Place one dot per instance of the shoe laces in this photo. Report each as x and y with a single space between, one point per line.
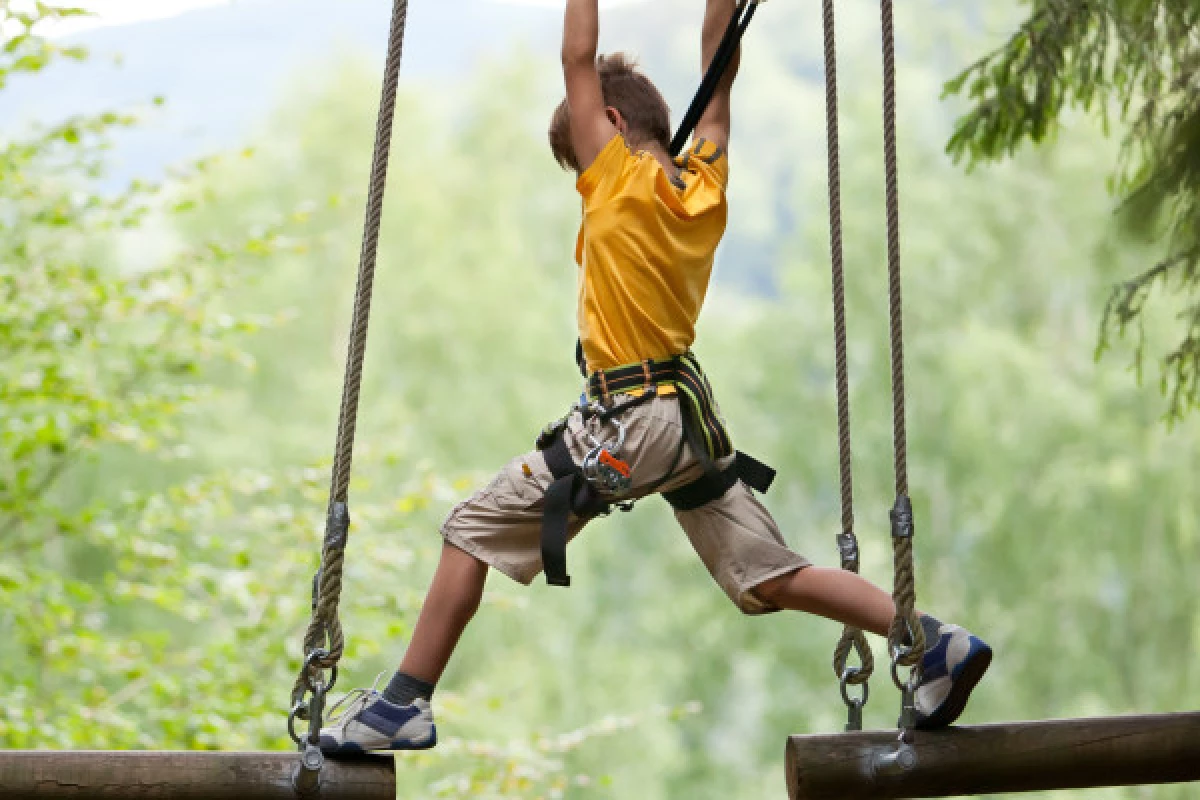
354 701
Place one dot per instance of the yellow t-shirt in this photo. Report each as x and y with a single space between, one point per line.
645 251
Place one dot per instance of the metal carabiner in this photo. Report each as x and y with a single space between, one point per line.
299 711
301 708
612 447
908 688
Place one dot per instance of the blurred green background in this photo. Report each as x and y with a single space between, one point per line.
173 334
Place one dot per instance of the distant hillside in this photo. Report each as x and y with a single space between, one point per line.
222 68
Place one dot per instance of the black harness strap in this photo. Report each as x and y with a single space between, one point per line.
713 485
716 70
702 425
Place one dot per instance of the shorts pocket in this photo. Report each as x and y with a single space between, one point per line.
514 489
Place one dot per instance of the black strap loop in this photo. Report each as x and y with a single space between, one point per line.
554 531
556 516
704 490
754 473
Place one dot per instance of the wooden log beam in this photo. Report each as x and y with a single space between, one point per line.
51 775
992 759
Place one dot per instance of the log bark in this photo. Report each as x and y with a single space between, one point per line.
50 775
992 759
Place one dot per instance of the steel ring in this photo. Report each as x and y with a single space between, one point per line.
311 669
914 677
844 684
315 686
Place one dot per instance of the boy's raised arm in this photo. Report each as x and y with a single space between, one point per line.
714 125
591 128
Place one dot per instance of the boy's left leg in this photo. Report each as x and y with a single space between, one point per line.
742 547
835 594
954 662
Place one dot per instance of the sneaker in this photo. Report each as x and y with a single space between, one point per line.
952 667
372 723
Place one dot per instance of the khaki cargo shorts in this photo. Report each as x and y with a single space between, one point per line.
735 536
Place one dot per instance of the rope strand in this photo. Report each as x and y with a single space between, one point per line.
852 638
893 245
325 630
906 632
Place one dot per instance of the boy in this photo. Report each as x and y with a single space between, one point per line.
650 230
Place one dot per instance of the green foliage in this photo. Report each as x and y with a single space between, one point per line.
23 50
1125 61
106 343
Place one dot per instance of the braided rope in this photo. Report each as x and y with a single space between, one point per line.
838 269
852 638
906 623
325 630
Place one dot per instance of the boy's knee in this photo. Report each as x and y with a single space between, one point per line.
771 592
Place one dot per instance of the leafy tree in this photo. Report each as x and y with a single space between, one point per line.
105 348
1130 63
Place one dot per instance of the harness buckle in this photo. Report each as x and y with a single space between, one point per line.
848 548
649 386
902 518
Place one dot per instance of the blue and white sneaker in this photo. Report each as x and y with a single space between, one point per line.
952 667
372 723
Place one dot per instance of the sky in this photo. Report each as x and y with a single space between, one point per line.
125 12
107 13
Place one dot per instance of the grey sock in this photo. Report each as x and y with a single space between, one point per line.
403 689
932 627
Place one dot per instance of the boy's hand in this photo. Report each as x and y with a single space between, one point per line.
591 128
714 125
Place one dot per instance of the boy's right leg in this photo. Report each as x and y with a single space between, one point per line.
452 601
400 718
498 527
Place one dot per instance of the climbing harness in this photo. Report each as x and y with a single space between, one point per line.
906 638
603 482
324 641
